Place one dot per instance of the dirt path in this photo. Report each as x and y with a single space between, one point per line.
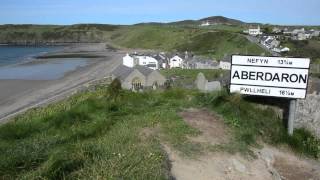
271 163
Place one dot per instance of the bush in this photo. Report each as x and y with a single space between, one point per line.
114 90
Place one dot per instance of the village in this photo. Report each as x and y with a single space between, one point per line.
139 71
273 40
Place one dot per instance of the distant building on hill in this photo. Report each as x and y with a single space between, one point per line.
254 31
205 23
138 77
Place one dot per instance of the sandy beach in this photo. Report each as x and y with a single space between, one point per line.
17 96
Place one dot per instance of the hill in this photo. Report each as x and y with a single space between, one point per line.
200 41
216 20
29 34
222 20
219 43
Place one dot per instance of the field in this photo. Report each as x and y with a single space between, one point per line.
119 135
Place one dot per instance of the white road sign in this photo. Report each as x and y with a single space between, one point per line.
270 76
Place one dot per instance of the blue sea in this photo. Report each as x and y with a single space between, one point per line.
15 63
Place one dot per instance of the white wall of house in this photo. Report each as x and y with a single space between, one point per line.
176 62
128 61
131 61
225 65
205 23
148 61
255 32
285 49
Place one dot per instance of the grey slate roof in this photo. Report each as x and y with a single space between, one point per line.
122 72
269 41
144 70
264 38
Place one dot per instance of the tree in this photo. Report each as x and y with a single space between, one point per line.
267 30
114 90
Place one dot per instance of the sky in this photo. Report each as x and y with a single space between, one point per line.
284 12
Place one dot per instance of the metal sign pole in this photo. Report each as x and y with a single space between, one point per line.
292 111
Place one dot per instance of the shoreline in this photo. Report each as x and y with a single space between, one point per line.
34 93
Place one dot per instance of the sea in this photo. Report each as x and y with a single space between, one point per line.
19 63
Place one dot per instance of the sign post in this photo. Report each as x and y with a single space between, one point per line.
292 111
271 76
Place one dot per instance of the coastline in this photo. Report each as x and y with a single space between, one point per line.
28 94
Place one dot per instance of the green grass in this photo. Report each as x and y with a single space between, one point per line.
309 48
231 28
152 36
202 41
90 136
217 44
28 34
250 123
215 41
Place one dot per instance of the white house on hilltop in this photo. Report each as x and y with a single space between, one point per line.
205 23
176 62
255 31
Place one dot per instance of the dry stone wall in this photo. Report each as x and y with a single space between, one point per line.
308 114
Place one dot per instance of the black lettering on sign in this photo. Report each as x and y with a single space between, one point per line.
267 76
236 74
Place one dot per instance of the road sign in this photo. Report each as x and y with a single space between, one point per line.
270 76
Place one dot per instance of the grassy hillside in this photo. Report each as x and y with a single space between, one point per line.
219 43
309 48
173 38
153 37
40 34
212 41
222 20
93 136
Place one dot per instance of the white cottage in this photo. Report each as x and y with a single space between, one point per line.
142 60
255 31
176 62
225 65
148 61
129 61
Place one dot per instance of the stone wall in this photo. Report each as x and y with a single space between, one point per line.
308 114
